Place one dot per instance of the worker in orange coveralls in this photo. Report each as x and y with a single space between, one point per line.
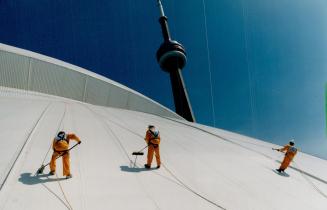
152 138
290 152
60 146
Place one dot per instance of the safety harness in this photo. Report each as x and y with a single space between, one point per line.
64 151
153 137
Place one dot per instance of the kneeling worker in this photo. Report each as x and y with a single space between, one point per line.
290 152
152 138
60 146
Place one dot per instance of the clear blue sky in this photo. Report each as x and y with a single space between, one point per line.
268 58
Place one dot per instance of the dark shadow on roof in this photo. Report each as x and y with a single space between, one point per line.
134 169
29 179
284 174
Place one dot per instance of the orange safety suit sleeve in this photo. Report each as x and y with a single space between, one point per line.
284 149
147 137
72 136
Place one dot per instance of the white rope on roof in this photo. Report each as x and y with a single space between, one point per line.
209 64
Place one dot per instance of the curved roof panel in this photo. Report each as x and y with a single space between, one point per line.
203 167
30 71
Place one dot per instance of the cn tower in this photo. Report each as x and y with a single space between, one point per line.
171 57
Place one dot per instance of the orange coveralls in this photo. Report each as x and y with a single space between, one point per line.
153 142
59 147
289 155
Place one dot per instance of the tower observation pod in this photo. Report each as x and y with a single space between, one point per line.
171 57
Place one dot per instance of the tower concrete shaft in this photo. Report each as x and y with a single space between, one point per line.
171 57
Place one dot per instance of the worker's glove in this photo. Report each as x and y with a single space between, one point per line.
79 142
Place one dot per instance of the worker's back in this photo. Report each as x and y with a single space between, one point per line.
290 151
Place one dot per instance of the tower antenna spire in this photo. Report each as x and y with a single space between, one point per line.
162 13
171 57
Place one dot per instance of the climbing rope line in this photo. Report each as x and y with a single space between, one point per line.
141 137
101 119
98 116
250 75
230 141
135 133
304 174
309 181
191 190
80 167
67 204
117 139
174 176
209 63
59 126
131 161
267 156
53 193
29 136
57 180
220 137
63 192
181 183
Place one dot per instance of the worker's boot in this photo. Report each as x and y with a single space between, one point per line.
147 166
279 170
69 176
158 166
51 173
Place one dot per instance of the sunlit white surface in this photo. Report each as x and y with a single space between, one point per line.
227 169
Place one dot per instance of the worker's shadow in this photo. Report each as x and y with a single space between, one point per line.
284 174
30 179
134 169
